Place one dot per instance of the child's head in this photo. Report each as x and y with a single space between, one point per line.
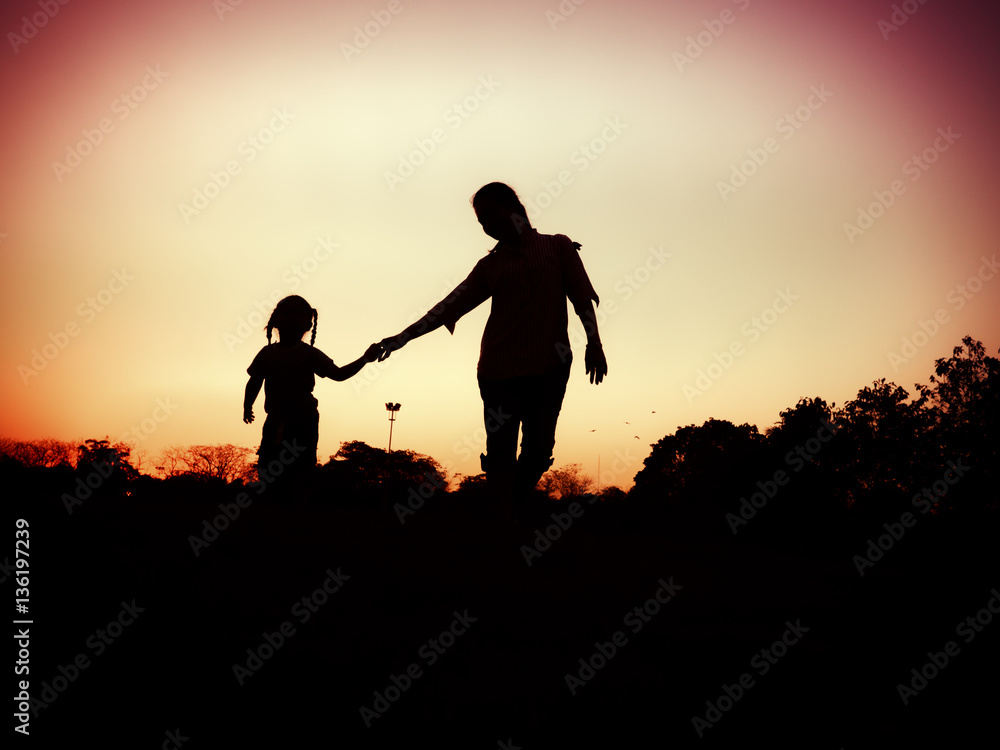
293 316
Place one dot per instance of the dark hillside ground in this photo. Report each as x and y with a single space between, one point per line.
503 678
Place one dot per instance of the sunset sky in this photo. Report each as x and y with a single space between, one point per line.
170 170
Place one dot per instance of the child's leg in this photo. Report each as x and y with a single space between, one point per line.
268 455
302 438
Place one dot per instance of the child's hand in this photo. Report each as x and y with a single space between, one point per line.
372 353
248 415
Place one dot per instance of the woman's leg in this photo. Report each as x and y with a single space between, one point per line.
542 404
501 418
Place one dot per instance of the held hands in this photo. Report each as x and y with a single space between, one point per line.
373 353
596 363
389 345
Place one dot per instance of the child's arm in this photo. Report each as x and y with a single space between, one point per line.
349 371
253 388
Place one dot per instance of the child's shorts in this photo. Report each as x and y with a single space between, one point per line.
288 444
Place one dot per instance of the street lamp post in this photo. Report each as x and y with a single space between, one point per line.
392 409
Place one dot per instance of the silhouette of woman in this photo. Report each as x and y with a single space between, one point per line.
525 354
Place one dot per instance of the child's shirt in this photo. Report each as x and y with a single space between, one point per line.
289 376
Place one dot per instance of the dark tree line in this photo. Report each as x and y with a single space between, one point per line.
820 467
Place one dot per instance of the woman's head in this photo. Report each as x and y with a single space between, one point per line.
500 212
293 316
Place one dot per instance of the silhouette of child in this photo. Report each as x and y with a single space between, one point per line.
286 369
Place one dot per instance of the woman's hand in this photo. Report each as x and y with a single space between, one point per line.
389 345
596 363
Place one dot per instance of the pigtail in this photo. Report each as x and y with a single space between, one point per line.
315 323
270 326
